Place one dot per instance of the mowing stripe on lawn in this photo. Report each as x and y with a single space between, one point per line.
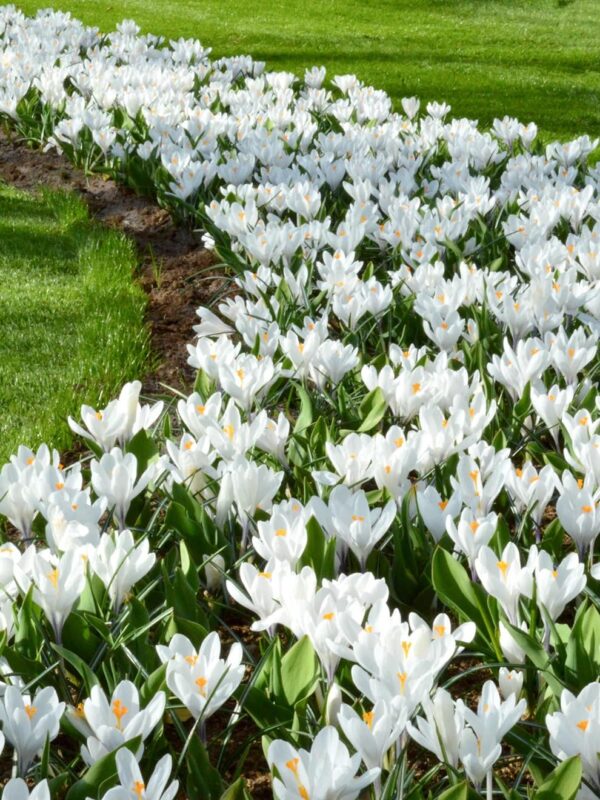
71 315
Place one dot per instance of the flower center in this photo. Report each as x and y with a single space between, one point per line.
119 710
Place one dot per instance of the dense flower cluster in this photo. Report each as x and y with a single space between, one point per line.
389 461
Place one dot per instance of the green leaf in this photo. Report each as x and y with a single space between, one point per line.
299 671
457 590
79 638
85 673
319 552
523 406
582 662
203 779
372 409
537 655
144 448
305 417
154 682
100 772
563 783
237 791
458 792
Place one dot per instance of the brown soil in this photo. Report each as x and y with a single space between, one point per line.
176 272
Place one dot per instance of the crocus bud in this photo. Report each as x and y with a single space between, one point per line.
333 705
510 681
213 570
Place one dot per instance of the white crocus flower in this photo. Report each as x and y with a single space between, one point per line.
108 724
471 533
281 538
27 722
532 490
132 785
504 578
262 588
349 518
556 585
58 584
578 511
201 679
441 729
436 510
119 421
550 405
374 732
510 681
480 747
115 478
102 427
17 789
326 772
575 730
120 563
247 486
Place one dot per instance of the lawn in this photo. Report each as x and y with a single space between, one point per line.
71 317
534 60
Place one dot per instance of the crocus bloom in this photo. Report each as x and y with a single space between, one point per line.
441 729
28 722
120 563
115 478
17 789
375 731
326 772
201 679
132 785
575 730
58 584
107 724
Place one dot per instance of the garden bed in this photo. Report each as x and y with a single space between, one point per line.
366 542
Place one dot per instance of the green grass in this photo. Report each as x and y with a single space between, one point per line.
71 316
535 59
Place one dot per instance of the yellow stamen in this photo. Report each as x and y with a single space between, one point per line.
138 789
119 710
